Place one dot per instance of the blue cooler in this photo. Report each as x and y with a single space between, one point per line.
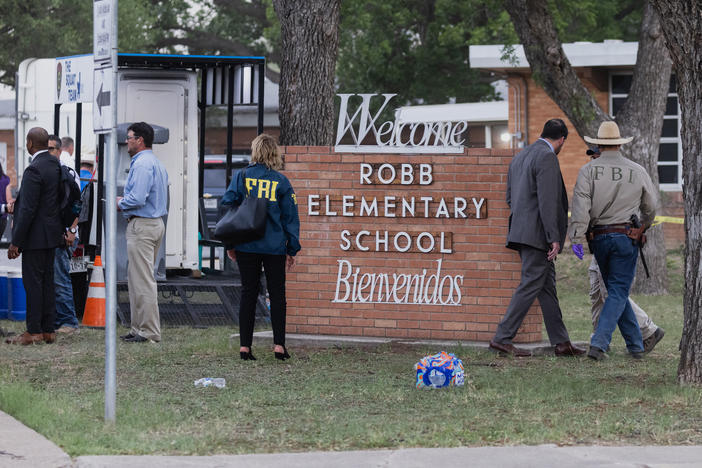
18 299
3 293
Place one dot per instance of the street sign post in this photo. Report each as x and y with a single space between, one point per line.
105 120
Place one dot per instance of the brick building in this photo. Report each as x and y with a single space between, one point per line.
606 70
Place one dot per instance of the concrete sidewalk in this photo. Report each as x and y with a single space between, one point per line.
22 447
541 456
537 349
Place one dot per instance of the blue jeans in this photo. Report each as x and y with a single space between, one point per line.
65 309
616 255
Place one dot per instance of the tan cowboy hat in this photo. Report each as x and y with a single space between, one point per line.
608 134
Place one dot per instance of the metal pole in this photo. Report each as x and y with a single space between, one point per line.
57 117
230 121
203 126
100 192
260 97
79 135
111 242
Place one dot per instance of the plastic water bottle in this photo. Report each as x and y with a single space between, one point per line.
437 379
218 382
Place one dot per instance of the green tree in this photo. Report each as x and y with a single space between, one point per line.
228 27
55 28
417 49
597 20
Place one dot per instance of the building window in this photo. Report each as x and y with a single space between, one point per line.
670 151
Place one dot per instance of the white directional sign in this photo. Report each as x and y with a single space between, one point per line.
103 100
103 35
74 79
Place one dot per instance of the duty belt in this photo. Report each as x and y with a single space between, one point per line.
610 229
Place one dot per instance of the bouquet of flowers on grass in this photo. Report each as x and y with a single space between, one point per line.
440 370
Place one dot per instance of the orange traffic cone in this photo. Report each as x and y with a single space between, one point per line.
94 314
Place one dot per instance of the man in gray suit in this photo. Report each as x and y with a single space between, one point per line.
538 223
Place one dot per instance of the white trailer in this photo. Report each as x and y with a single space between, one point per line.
162 90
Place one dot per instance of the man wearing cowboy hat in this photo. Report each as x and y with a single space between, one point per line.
608 191
650 332
538 223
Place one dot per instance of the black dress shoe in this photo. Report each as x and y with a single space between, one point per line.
126 337
282 356
136 339
508 349
567 349
246 356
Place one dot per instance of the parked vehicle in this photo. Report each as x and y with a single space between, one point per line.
215 184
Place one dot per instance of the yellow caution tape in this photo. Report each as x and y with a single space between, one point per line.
668 219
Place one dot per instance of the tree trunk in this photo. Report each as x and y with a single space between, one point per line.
550 67
641 116
682 22
309 48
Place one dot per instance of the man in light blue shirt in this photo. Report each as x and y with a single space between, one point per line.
143 204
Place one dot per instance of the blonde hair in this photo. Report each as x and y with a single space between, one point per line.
264 150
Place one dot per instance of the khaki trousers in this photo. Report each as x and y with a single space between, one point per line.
144 236
598 295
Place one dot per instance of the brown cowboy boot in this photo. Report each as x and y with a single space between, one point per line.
26 338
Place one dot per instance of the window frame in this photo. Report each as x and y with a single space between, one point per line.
676 187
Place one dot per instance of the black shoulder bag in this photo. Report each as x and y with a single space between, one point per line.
245 222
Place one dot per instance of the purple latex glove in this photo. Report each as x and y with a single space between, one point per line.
578 250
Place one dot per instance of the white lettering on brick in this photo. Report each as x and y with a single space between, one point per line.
312 203
356 286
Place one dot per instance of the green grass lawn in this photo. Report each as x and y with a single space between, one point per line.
343 398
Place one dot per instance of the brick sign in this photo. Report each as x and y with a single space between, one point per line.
402 245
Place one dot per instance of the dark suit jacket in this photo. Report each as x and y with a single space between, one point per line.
36 223
537 198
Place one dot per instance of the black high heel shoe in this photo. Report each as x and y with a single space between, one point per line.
282 356
247 356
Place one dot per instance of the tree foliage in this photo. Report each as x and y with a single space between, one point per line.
417 49
56 28
228 27
596 20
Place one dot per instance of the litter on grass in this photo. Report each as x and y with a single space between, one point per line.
440 370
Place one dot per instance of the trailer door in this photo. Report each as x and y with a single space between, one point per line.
164 103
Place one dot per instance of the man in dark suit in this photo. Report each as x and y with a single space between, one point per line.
36 232
538 223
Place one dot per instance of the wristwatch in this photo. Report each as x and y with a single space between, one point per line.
73 230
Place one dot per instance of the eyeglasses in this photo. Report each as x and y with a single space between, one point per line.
132 137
